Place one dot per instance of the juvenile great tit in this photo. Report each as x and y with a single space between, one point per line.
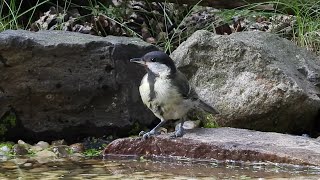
167 92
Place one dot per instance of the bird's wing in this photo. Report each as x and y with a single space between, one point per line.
181 82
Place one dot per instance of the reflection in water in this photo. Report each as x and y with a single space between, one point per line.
133 169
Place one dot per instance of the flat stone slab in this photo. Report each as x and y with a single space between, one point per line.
224 144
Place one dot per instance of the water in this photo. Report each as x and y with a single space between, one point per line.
146 169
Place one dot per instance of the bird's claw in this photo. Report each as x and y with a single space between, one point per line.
146 135
178 133
142 133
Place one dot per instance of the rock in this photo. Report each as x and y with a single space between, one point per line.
4 158
224 144
61 151
65 84
44 156
19 150
4 150
21 142
58 142
36 148
20 161
27 164
77 148
7 165
256 80
77 157
42 145
189 125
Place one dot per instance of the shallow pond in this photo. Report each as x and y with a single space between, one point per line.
146 169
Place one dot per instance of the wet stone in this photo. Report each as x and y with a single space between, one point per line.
223 144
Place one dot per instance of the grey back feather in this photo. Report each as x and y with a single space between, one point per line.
181 82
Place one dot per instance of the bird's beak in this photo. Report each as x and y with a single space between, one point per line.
138 60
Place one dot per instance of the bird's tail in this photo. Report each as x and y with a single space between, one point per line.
207 107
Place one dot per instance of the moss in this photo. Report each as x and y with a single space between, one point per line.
31 153
207 120
210 121
8 144
9 120
92 152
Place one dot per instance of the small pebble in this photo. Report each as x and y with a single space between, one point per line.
27 164
189 124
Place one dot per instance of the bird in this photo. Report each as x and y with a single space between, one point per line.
167 92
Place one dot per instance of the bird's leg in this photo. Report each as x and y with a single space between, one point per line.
154 131
180 131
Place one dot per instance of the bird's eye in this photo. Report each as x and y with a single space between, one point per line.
153 59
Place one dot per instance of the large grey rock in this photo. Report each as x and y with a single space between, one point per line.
224 144
63 84
256 80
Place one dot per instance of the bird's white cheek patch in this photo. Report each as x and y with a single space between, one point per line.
157 68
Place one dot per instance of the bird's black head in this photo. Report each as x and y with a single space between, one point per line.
157 62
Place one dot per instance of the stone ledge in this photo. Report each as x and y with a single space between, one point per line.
224 144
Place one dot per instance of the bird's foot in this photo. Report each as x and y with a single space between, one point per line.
146 135
178 133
